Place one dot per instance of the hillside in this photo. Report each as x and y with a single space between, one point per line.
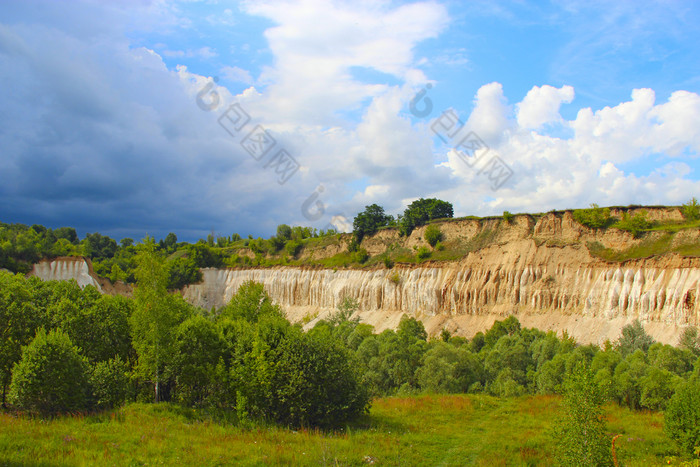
549 270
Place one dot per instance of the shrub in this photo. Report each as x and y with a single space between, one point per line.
388 263
595 217
432 235
634 224
51 377
691 210
293 247
508 217
109 382
361 256
423 253
395 278
581 432
682 417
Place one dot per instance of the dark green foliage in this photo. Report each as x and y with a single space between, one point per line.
581 433
101 330
508 217
682 417
183 271
155 318
293 247
421 211
297 379
595 217
361 256
284 232
369 221
51 376
20 317
432 235
109 383
197 350
205 256
98 246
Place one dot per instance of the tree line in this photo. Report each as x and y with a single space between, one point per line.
66 349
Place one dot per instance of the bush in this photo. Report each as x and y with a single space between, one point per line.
293 247
109 382
297 379
691 210
595 217
634 224
361 256
432 235
508 217
51 376
682 417
423 253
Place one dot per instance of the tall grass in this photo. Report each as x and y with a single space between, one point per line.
420 430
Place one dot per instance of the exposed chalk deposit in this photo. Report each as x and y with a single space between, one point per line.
64 269
542 272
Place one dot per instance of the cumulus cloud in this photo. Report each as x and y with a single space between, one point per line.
541 106
551 170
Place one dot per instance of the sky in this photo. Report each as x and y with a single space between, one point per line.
142 117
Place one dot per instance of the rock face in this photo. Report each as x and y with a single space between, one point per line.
542 272
592 303
65 269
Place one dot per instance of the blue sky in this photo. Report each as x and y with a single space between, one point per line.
572 102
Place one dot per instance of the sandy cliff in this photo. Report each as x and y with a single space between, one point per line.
539 270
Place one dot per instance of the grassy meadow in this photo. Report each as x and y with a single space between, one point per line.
416 430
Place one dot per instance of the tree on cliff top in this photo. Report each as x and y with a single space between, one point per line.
421 211
369 221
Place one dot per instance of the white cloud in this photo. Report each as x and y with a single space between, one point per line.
541 106
551 170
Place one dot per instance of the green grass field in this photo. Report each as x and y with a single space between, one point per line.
419 430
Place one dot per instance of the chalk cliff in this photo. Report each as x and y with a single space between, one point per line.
539 270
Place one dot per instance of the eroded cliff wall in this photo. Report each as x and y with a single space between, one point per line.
541 271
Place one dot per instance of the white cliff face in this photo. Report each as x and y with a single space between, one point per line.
591 303
542 272
65 269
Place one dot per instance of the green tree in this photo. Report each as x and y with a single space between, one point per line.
421 211
595 217
196 352
634 337
51 376
682 417
284 232
581 432
109 383
690 340
432 235
250 303
154 319
20 317
369 221
691 210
